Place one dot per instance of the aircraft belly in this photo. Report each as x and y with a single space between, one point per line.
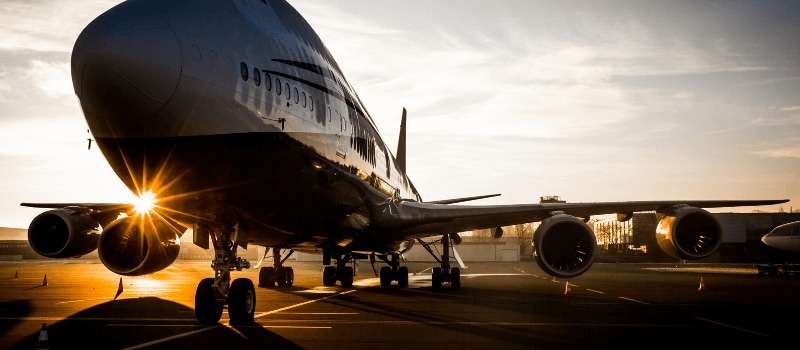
268 178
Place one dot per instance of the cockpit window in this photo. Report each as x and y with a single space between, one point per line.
788 230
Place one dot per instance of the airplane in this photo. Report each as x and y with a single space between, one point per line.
232 119
785 237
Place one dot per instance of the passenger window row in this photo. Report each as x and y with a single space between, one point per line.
291 93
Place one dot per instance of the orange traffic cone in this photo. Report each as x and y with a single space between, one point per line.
44 342
567 289
702 284
119 289
16 274
44 283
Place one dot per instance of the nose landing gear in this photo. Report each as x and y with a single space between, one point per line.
214 294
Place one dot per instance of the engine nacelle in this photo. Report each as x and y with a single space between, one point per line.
564 246
63 233
138 245
686 232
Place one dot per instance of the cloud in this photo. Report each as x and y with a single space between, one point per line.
46 25
787 152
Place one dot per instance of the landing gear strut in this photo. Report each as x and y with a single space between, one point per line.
393 272
341 272
277 273
444 273
213 294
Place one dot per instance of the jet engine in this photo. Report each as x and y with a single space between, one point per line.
138 245
63 233
564 246
686 232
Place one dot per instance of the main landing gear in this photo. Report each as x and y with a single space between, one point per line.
393 272
443 274
214 294
277 273
341 272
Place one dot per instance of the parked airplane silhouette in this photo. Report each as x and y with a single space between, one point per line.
234 119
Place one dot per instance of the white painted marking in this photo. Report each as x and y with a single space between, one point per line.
634 300
732 327
80 300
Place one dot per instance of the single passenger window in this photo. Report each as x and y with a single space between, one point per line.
296 97
257 76
243 69
278 86
288 92
267 81
311 102
305 102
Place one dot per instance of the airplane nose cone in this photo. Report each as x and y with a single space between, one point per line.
125 66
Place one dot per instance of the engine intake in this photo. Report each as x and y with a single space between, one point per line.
689 233
63 233
138 245
564 246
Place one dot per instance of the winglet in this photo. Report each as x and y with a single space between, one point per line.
401 144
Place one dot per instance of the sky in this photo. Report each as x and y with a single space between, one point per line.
605 101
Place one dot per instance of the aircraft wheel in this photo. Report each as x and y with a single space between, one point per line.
402 276
206 308
242 301
436 278
329 276
267 277
455 278
289 276
386 276
347 276
285 277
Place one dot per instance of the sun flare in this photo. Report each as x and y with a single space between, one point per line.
144 203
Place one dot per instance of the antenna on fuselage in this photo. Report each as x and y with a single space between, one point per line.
401 144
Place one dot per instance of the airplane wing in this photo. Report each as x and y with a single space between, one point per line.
564 246
434 218
90 206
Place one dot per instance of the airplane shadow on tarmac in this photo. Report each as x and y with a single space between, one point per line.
128 323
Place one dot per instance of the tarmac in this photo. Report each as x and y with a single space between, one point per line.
510 305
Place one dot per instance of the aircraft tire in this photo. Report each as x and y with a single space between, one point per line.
206 308
436 278
386 276
242 301
267 277
402 276
455 278
329 276
347 276
285 276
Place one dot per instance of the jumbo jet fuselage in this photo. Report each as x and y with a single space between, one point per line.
235 108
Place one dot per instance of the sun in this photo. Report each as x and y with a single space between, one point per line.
144 203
